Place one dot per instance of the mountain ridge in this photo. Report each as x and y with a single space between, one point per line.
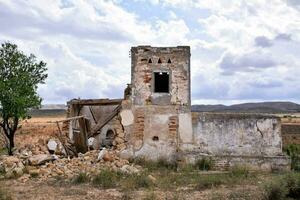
259 107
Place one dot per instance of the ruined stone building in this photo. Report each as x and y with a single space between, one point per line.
154 119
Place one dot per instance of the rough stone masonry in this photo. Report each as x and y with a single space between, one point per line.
155 119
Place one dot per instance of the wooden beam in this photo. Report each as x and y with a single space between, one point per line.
100 124
80 139
91 102
70 118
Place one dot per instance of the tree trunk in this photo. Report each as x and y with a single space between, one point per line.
9 132
11 144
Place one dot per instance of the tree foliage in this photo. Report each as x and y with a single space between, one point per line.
20 76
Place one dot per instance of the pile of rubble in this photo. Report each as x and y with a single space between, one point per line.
36 161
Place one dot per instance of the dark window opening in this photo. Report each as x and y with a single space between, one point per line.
161 82
109 138
159 61
155 138
150 61
169 61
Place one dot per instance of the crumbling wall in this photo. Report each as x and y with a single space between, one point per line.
153 133
290 133
104 128
118 141
237 134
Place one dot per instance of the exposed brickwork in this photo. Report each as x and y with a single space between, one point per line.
143 72
119 141
290 133
173 126
139 124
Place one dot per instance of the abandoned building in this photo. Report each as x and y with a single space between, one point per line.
154 119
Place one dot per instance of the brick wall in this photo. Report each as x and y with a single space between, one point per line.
173 126
138 129
290 133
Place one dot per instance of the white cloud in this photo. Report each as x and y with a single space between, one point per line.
241 50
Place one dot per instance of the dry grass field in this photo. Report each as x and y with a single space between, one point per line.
36 129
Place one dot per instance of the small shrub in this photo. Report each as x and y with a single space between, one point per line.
204 164
239 171
293 185
106 179
141 181
293 150
81 178
171 165
34 175
275 191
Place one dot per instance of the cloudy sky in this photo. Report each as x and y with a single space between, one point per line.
242 50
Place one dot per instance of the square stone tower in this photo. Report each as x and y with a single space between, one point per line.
160 101
161 76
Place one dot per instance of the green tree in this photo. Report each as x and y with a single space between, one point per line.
20 76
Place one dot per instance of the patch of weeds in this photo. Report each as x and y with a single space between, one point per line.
136 181
4 195
275 191
293 150
241 194
107 179
163 163
210 181
286 187
187 168
2 170
293 185
81 178
34 175
239 171
25 170
160 164
204 164
3 151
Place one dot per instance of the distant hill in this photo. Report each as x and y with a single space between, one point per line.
53 106
49 110
263 107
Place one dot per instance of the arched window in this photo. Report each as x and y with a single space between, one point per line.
109 137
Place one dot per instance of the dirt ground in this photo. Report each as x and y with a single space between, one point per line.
55 189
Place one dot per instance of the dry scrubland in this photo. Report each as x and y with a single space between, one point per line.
157 180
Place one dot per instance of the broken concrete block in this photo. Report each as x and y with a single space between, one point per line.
128 169
101 154
41 159
91 141
52 145
127 117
